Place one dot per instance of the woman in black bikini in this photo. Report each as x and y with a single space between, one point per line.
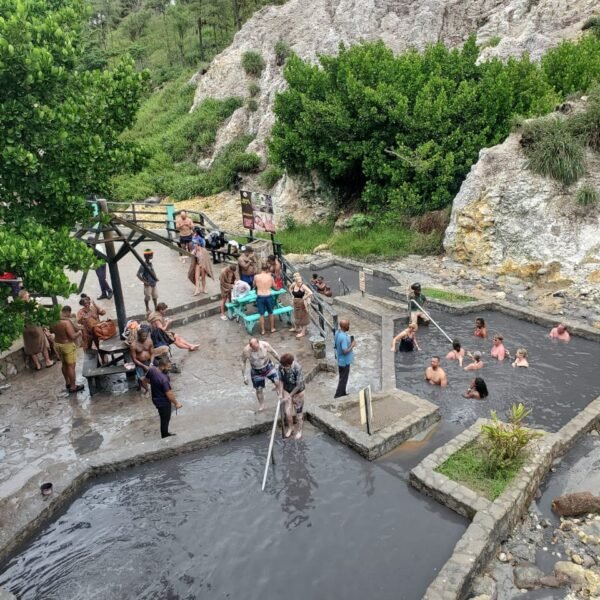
407 339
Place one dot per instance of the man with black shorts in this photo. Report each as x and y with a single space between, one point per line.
263 282
163 396
261 368
185 227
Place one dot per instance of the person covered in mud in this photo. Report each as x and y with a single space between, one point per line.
434 374
521 359
477 362
457 353
261 368
480 328
417 302
498 351
141 354
407 338
291 391
560 333
477 389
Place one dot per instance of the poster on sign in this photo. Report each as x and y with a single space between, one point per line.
257 211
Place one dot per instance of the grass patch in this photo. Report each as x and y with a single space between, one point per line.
385 241
553 150
588 195
270 176
253 63
435 294
469 467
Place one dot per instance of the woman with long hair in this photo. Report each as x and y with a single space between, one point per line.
301 294
477 390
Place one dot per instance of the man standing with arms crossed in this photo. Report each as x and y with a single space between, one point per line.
263 282
163 396
261 368
247 265
344 346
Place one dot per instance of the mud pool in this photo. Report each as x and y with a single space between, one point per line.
330 525
342 280
561 380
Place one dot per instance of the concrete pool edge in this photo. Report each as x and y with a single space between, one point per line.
383 441
491 522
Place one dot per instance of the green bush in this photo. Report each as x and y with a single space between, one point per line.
593 25
586 124
553 150
492 42
252 105
253 89
360 224
573 66
402 130
282 52
253 63
270 176
506 442
587 195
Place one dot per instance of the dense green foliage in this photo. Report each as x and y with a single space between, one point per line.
469 467
174 139
270 176
404 130
167 37
60 140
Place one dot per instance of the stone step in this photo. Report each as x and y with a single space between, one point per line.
188 307
202 311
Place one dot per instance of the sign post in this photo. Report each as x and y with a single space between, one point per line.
365 404
362 282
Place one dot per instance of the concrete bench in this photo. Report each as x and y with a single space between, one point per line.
94 374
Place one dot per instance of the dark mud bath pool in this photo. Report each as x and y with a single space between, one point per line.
330 525
561 380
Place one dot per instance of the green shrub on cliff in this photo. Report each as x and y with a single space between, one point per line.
402 130
253 63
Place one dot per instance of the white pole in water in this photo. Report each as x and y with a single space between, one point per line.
429 317
270 446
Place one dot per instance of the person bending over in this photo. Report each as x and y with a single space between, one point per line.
434 374
477 389
261 368
292 386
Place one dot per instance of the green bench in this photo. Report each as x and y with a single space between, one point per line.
282 311
94 374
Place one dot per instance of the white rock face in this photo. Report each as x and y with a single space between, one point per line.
314 27
511 221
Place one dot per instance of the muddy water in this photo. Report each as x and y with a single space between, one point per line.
561 380
330 525
343 279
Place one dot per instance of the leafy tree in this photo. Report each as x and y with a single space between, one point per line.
403 130
59 141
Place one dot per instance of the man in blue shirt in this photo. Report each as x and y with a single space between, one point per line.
344 346
163 396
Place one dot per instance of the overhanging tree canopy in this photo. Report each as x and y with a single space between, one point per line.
59 141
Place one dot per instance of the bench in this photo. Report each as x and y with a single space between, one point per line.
251 320
94 374
222 255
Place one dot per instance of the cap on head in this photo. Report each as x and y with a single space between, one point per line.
416 287
148 253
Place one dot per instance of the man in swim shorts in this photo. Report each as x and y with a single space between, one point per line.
261 367
65 344
263 282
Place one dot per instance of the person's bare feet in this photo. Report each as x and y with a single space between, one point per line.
194 347
273 330
298 435
288 432
293 329
196 293
262 333
261 408
300 335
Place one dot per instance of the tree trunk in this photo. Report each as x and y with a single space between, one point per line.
200 42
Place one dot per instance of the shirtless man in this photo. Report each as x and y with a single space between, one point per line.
263 282
247 265
65 344
185 227
435 374
141 355
261 368
560 333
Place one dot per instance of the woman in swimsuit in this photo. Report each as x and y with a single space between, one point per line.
407 339
477 390
302 295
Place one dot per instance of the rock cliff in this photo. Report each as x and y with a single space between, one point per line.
513 222
313 27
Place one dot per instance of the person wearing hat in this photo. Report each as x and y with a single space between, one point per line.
247 265
417 302
148 277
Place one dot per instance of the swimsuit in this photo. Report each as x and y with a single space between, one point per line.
260 376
